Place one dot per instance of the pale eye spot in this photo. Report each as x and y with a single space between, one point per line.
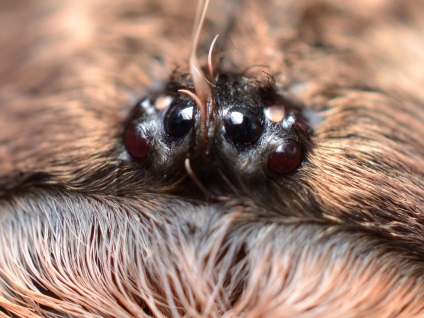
163 102
275 113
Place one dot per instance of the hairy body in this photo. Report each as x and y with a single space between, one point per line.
86 232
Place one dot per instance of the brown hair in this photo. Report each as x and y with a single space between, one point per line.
86 233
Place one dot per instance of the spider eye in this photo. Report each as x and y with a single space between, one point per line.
179 120
242 126
136 143
285 158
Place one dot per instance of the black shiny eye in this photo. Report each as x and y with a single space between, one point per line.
179 120
243 126
285 158
136 143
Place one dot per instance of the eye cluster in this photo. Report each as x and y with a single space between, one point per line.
160 121
269 135
270 131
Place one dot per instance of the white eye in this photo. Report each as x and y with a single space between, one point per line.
275 113
147 106
289 121
151 106
163 102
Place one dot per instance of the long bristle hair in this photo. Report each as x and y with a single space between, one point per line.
202 87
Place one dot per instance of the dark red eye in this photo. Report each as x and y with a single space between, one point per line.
285 158
136 143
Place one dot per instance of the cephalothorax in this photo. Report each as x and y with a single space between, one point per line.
280 175
222 124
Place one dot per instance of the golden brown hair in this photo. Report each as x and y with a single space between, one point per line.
86 232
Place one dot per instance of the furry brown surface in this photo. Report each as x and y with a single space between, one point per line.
86 233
